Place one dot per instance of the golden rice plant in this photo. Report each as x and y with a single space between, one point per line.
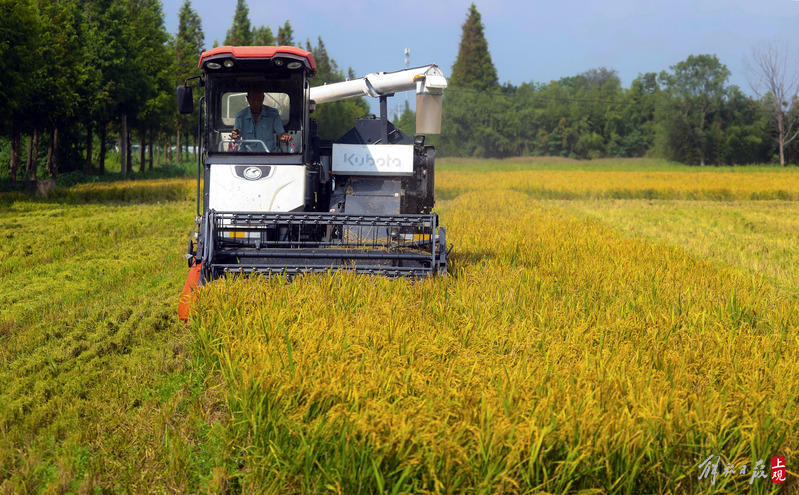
757 236
557 356
690 184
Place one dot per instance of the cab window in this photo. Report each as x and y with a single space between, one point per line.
281 112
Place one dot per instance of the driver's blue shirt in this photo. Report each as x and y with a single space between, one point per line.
268 125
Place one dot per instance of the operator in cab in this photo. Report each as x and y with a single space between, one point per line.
259 122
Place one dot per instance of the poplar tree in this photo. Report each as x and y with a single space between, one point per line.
473 67
240 34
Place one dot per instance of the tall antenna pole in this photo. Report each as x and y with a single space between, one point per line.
407 65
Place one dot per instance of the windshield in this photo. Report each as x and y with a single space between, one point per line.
252 113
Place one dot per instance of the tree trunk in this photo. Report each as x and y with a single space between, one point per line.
30 153
49 162
52 153
158 152
54 172
34 152
16 141
142 145
87 167
179 149
782 154
129 162
103 132
781 131
152 145
123 146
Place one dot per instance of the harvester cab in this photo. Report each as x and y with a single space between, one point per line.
273 198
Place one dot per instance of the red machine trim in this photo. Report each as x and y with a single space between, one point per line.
258 52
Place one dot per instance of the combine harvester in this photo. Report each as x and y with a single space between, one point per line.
290 203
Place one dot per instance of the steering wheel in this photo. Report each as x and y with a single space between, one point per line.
247 145
253 146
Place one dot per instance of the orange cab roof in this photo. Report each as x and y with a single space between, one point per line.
259 52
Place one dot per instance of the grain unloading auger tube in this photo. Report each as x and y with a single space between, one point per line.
273 197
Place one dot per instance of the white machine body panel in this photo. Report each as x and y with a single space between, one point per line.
372 159
257 188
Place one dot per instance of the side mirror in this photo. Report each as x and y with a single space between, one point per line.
185 99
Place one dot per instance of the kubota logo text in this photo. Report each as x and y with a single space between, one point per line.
369 161
373 159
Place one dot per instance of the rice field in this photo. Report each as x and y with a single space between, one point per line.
562 354
606 327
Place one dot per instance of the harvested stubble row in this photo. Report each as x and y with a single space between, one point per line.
558 355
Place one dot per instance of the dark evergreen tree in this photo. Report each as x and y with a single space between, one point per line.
189 41
240 34
61 72
19 32
264 36
473 67
188 44
285 35
154 62
326 68
110 65
470 116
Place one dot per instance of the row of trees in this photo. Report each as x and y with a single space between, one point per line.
690 113
78 68
78 75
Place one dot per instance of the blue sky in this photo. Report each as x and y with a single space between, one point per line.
529 40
